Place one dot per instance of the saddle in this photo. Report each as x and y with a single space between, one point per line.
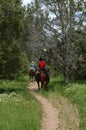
31 71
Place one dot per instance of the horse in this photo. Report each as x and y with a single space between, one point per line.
31 74
42 77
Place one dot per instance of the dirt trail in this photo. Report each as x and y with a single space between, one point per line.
50 116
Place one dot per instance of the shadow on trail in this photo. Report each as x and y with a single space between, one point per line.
10 90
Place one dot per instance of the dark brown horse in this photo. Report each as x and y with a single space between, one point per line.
42 78
31 74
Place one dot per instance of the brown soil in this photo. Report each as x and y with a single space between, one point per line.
50 116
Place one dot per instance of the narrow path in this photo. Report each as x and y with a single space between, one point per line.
50 116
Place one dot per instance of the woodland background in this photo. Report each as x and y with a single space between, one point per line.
59 26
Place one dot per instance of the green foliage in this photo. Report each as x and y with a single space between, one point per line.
81 70
11 19
14 63
80 41
11 31
23 64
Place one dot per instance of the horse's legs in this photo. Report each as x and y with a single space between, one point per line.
42 85
32 78
38 86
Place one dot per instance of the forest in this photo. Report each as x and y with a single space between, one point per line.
57 26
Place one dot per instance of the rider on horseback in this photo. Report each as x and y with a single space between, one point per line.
42 66
32 66
32 71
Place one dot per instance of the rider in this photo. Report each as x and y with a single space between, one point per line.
42 64
32 66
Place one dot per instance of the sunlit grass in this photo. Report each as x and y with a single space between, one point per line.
19 110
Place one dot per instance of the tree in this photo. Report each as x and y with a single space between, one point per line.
35 37
11 28
58 34
68 17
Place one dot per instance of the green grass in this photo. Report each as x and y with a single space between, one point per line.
19 110
75 91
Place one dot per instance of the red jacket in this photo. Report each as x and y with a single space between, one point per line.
42 64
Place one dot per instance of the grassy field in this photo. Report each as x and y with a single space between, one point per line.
19 110
60 94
